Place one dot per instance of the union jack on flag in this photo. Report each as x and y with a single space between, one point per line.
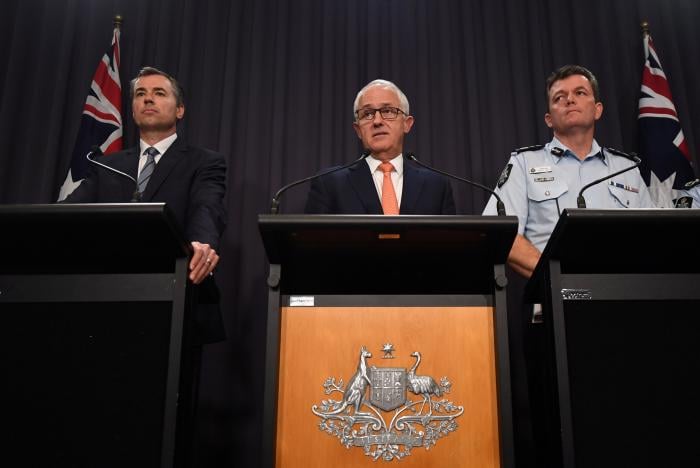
666 163
101 122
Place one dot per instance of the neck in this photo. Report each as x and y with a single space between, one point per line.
386 155
579 142
151 137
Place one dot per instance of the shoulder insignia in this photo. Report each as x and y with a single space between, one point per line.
684 202
556 151
504 175
528 148
691 184
616 152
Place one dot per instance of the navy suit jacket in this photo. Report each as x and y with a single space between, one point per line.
352 191
192 182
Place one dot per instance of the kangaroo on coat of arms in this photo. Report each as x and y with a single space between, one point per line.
360 421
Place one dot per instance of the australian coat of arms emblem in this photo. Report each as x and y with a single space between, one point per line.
387 410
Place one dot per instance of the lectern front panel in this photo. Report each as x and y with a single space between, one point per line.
84 383
633 372
359 384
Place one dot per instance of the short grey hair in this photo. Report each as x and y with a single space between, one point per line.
147 71
403 100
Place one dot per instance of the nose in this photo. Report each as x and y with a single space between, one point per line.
377 119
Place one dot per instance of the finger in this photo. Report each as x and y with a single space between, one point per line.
199 270
198 275
204 267
200 254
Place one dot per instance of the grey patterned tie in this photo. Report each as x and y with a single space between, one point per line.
147 170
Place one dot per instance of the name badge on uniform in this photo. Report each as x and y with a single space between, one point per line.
540 169
624 187
544 179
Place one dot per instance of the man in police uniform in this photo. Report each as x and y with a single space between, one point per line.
689 197
540 181
536 185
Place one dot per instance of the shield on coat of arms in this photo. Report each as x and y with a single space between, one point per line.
388 390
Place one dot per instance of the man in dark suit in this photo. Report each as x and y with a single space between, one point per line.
384 182
190 180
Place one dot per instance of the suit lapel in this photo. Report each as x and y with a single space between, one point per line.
165 165
363 184
128 163
413 180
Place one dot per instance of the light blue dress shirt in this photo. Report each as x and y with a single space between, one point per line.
540 182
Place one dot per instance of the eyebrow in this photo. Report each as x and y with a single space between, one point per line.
142 88
575 89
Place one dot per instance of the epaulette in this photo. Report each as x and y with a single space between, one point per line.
691 184
528 148
630 156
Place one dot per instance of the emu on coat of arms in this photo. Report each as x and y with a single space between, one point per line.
413 422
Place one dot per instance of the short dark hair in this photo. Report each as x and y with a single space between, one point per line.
569 70
177 89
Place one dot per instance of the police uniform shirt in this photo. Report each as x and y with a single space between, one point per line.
538 183
689 197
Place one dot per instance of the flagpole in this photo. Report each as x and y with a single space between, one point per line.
645 28
118 21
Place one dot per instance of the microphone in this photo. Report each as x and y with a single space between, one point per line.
581 202
136 196
274 207
500 207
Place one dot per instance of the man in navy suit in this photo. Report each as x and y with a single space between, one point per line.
190 180
382 120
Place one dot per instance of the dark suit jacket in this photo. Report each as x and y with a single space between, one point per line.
352 191
192 182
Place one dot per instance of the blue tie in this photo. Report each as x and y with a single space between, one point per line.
147 170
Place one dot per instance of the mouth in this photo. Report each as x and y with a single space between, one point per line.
379 134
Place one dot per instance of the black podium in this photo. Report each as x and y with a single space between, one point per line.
92 326
401 280
621 294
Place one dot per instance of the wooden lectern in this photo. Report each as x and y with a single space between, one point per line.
621 294
387 340
93 324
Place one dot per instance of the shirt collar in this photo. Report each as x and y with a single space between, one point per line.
555 143
162 146
397 162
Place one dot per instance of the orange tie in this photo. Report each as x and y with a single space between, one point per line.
389 203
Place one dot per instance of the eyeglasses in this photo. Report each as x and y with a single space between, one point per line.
387 113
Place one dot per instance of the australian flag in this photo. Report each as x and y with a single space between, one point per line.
101 123
666 163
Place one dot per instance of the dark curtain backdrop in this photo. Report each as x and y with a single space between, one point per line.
270 83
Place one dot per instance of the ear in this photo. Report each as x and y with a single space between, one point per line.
598 110
408 123
180 112
548 119
356 126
